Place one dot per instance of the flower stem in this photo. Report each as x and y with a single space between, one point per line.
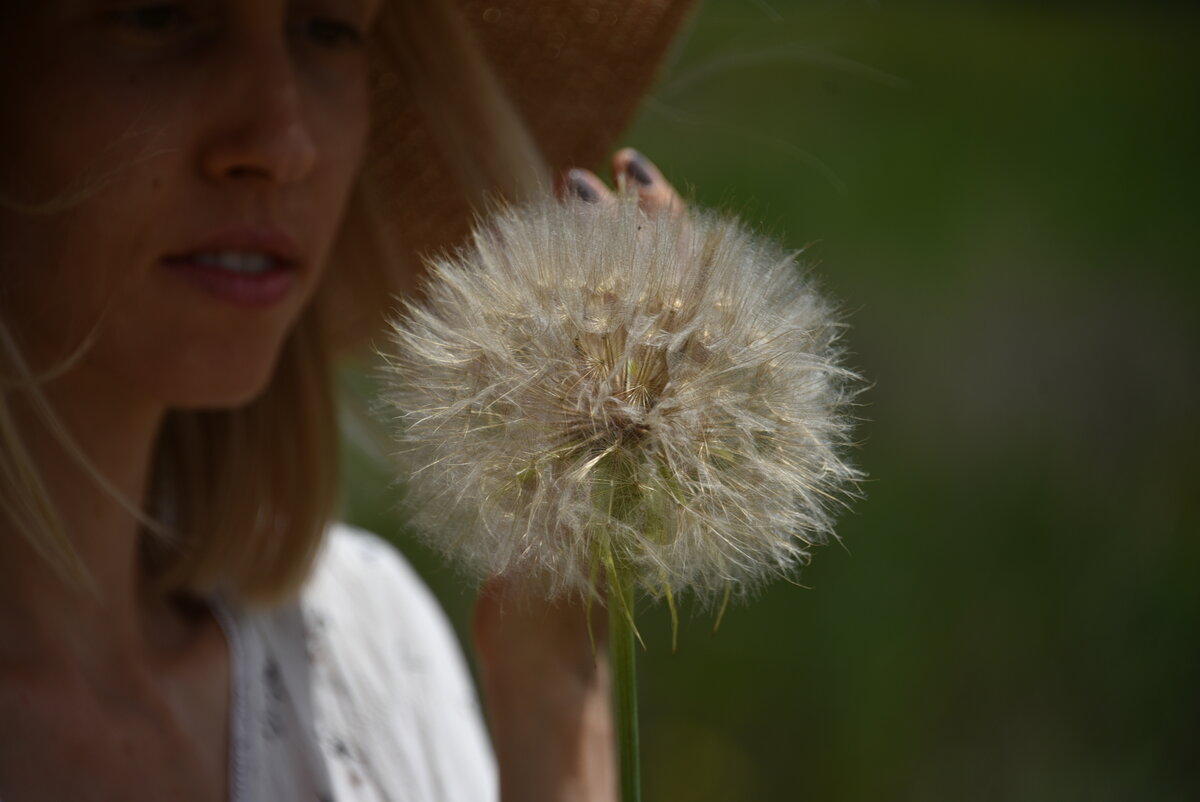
622 636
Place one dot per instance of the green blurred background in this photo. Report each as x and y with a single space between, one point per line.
1005 197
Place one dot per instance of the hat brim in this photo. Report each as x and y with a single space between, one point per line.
575 72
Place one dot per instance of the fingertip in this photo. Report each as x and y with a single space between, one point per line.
581 184
632 168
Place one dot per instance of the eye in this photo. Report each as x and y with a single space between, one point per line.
333 33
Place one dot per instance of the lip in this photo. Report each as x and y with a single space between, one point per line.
241 289
264 239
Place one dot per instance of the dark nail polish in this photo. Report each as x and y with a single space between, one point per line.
638 170
581 188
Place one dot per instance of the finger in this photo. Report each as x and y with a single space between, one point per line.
633 171
584 185
655 194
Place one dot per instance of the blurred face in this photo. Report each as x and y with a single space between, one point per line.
173 175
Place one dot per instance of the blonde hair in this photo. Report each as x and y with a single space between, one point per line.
246 493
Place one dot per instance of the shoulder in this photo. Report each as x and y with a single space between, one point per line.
391 686
368 598
348 549
357 565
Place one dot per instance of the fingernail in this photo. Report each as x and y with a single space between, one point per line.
638 168
581 187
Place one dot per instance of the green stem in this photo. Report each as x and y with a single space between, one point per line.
621 634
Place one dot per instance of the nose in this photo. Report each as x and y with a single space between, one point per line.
260 133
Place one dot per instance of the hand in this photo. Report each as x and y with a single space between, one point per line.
546 687
632 172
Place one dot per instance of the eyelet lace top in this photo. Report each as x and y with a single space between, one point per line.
358 692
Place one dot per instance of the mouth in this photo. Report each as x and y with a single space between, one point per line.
241 277
246 263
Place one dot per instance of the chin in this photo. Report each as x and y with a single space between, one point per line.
223 396
224 379
205 365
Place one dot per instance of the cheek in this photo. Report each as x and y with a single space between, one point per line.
77 177
69 136
343 136
64 271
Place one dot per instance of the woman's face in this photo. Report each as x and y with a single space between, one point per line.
200 155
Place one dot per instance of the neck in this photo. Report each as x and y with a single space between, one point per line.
40 614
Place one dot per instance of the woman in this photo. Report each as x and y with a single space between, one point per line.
197 198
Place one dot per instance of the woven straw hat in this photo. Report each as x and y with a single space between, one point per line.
574 70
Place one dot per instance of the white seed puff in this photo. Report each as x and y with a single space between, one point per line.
585 386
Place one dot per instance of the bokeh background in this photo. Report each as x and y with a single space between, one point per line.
1004 195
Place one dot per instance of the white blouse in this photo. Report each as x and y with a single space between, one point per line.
358 692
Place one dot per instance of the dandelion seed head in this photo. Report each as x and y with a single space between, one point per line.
584 385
